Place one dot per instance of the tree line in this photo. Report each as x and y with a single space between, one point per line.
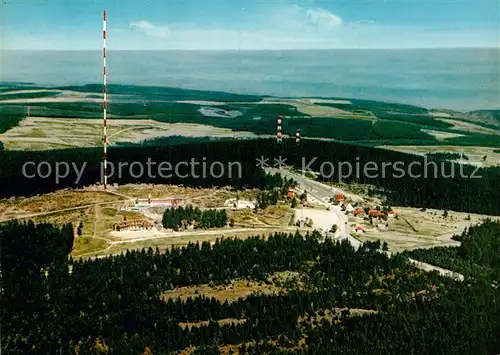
183 217
447 156
477 256
438 188
115 304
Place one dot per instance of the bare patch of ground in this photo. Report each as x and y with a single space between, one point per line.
418 229
65 199
467 126
30 91
239 204
313 107
440 114
62 96
235 290
50 133
474 153
202 103
245 217
160 191
321 218
329 315
219 112
442 135
279 215
329 101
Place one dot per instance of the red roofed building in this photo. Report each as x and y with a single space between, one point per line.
360 229
340 197
359 212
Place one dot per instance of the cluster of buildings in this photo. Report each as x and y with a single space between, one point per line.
140 204
362 213
160 202
365 213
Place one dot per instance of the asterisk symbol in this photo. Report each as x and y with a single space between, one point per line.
262 162
279 162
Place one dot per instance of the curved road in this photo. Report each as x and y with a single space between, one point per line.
321 191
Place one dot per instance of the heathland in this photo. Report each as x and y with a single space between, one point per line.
34 118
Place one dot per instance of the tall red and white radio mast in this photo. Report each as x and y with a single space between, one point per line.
105 158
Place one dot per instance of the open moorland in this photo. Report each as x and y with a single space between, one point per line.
416 228
34 118
95 212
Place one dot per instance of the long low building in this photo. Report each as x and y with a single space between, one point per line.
167 202
135 224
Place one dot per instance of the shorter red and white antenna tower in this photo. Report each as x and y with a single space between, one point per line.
105 158
297 136
279 121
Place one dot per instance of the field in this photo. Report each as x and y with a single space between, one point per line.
69 117
476 154
468 126
35 133
61 201
236 289
442 135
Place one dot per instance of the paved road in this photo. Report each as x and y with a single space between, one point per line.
321 191
316 189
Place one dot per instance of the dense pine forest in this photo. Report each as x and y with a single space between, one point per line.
116 305
182 217
465 190
447 156
477 256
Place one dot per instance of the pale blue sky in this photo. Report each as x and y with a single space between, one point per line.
246 24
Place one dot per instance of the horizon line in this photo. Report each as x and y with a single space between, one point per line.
240 50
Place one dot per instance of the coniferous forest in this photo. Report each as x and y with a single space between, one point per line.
435 183
55 305
185 216
477 256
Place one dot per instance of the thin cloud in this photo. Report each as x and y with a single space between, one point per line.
323 18
296 27
306 19
150 29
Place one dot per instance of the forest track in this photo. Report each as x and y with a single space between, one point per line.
47 213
